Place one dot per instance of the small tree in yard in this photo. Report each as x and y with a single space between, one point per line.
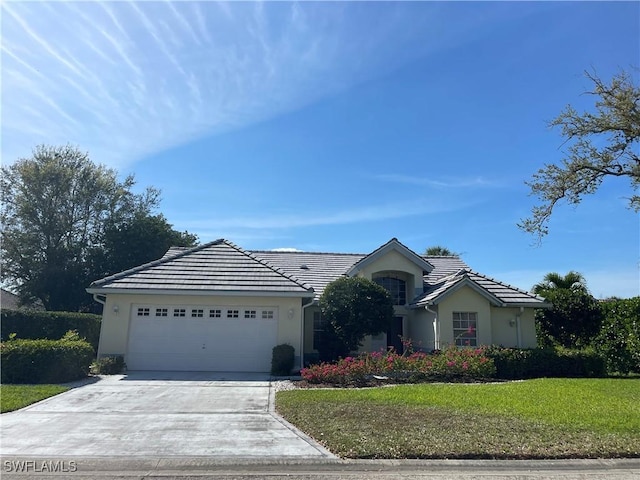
352 308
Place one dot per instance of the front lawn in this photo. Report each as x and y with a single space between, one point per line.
543 418
14 397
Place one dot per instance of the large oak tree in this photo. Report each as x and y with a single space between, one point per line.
60 213
601 144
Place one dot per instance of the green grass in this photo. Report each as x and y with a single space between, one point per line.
543 418
14 397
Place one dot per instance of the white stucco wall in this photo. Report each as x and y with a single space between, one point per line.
465 300
506 335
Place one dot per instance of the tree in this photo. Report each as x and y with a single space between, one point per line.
439 251
57 207
554 281
603 145
352 308
575 317
136 241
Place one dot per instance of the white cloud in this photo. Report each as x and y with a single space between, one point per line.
439 182
362 214
286 249
126 79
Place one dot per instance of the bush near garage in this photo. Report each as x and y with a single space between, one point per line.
45 361
282 360
109 365
33 324
518 364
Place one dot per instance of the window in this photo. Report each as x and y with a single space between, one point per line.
249 314
232 313
179 312
143 312
396 287
162 312
267 314
318 328
215 313
464 329
197 312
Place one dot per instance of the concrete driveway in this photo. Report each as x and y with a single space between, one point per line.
158 414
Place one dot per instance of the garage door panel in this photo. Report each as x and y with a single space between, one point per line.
201 343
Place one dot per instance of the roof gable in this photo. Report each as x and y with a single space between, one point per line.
215 267
391 245
498 293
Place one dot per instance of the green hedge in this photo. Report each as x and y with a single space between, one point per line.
512 363
619 338
44 361
35 324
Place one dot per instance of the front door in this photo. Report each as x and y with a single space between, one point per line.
394 335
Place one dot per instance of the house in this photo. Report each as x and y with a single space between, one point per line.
221 308
11 301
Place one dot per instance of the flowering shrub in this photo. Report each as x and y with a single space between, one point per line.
449 364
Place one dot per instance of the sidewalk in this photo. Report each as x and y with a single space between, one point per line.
251 468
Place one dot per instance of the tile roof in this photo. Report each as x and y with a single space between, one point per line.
218 266
497 292
221 266
321 268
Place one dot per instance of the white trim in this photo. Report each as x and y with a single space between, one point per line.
230 293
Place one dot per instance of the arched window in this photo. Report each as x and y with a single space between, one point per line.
396 287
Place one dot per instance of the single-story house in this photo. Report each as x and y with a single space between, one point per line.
218 307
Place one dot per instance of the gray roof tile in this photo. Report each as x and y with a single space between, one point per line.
222 266
499 292
216 266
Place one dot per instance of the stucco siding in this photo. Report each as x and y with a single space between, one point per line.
514 328
114 333
395 262
420 329
464 300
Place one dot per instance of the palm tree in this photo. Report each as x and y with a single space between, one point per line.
555 281
440 251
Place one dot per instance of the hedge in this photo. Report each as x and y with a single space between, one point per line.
33 324
513 363
619 338
44 361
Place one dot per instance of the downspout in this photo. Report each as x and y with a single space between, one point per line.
304 307
436 328
518 329
102 302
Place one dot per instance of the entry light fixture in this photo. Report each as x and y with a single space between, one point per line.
116 309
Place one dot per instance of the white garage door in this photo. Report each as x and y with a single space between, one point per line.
216 338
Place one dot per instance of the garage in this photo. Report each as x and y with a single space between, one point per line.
201 338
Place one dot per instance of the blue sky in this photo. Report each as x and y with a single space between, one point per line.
335 126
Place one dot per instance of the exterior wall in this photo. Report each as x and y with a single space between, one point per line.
419 329
114 333
522 334
396 262
465 300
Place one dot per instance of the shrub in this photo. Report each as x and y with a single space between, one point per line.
282 360
32 324
619 338
451 364
109 365
45 361
513 363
